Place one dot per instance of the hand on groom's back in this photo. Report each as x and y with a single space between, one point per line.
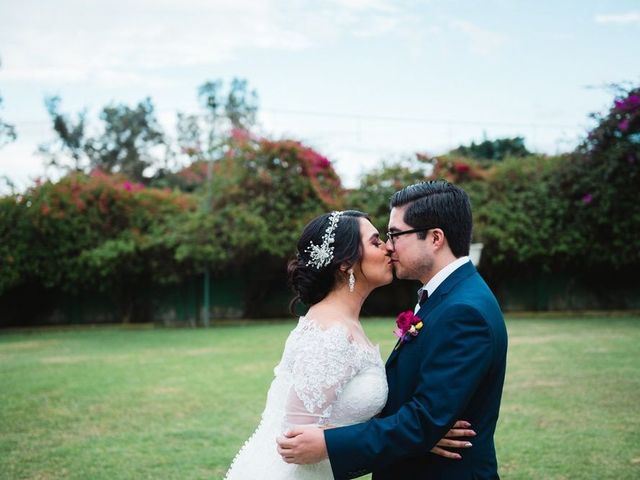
460 429
305 445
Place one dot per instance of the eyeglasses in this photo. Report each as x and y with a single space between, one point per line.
392 235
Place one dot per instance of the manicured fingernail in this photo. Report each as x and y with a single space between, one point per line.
458 457
467 424
472 432
469 444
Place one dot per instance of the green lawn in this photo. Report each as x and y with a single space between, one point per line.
117 403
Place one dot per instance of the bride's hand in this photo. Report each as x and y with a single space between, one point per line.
460 429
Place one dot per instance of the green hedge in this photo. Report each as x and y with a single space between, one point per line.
571 217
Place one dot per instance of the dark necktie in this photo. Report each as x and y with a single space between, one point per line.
422 296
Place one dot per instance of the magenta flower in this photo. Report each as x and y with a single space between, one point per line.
127 186
630 103
409 325
623 126
405 320
633 101
587 198
461 167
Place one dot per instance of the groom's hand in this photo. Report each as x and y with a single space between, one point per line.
302 445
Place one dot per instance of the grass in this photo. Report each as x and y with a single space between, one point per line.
105 403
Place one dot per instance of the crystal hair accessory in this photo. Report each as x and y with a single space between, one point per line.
322 255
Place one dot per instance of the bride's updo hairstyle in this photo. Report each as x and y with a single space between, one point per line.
311 279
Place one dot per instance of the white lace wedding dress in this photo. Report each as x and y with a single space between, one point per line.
323 378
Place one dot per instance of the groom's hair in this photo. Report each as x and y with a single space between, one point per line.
438 203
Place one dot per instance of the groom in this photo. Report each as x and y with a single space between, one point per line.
454 367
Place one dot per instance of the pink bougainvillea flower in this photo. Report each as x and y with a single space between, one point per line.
630 103
623 126
240 134
461 167
587 198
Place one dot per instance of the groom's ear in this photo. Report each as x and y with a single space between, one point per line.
438 238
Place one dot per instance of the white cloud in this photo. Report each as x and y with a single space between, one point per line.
72 41
481 41
621 18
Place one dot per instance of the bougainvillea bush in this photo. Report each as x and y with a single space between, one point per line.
88 233
575 213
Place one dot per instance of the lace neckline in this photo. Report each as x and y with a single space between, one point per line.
367 348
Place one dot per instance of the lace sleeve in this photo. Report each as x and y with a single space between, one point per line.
323 363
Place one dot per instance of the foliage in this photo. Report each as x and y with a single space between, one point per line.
125 145
203 136
71 140
89 232
573 213
7 131
378 184
14 245
516 217
495 150
263 193
600 181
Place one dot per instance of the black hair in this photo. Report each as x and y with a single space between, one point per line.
311 284
438 204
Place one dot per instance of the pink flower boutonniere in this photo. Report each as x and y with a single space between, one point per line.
409 325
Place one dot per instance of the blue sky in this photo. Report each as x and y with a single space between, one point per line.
360 80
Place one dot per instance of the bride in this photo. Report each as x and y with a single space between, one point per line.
330 374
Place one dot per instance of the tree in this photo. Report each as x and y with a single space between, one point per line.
600 181
241 105
71 138
7 131
263 193
125 145
377 186
495 150
203 136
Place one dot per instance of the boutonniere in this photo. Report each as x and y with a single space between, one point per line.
409 325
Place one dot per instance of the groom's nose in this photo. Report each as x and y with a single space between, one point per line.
389 245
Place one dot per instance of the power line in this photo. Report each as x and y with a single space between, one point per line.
381 118
443 121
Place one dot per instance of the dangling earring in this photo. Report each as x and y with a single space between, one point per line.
352 280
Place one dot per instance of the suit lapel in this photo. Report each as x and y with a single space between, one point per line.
437 297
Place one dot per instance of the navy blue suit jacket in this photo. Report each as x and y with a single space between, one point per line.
453 369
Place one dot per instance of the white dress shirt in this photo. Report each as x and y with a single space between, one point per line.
440 277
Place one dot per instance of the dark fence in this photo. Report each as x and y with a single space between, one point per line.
182 305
